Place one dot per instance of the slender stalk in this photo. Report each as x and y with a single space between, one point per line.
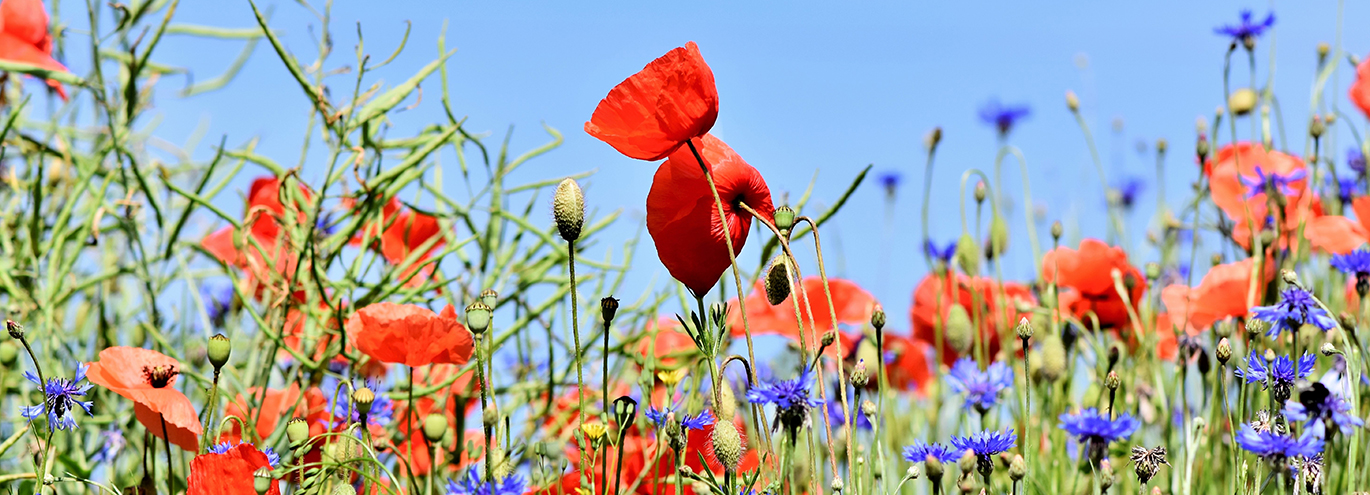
170 469
575 332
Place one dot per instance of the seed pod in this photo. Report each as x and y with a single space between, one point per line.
568 209
1242 101
478 317
434 427
608 308
489 297
779 277
959 330
297 431
363 397
218 350
784 218
727 445
262 481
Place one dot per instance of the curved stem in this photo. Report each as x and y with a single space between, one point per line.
580 374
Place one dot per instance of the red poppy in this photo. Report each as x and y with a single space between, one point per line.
666 340
275 260
409 334
639 452
405 232
932 302
1360 90
651 114
1226 169
148 378
683 219
25 38
273 408
229 473
1090 271
853 304
907 362
1339 234
1221 294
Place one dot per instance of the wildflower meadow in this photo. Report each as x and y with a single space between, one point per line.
395 310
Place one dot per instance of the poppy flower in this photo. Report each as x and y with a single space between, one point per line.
410 335
148 378
228 473
683 219
935 295
402 232
276 405
651 114
275 259
1240 177
1221 294
25 38
1089 271
667 340
853 304
1360 90
1338 234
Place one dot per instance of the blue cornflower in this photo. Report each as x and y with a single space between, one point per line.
791 399
1095 431
1248 30
1002 116
943 253
1318 406
1345 188
1128 191
890 180
272 457
1355 160
982 388
1353 263
1278 374
1272 446
472 485
839 417
218 299
986 445
381 412
222 447
1296 308
1265 183
920 451
61 395
113 444
658 417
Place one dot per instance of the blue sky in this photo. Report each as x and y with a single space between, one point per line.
804 87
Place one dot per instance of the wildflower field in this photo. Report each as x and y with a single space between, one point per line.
217 319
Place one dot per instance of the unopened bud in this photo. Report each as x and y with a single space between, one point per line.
1057 230
836 485
858 374
1072 101
1153 271
218 350
878 318
868 409
1105 475
15 329
478 317
933 466
1053 358
489 416
1024 329
959 330
568 209
933 138
968 254
784 218
1289 276
1242 101
1112 381
1323 49
1017 468
728 447
829 337
1162 145
981 190
967 461
998 236
1224 351
913 472
1317 127
779 277
1328 349
434 427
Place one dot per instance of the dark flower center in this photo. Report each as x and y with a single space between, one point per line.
159 376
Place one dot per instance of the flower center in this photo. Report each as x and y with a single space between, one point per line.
159 376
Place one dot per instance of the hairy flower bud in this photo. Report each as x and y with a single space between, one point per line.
878 318
1017 468
478 317
968 254
959 331
489 415
998 236
779 278
858 374
1057 230
1242 101
15 329
218 350
727 445
568 209
1112 381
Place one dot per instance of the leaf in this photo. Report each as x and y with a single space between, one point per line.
395 95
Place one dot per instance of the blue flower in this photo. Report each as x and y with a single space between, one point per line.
1296 308
1275 447
1128 191
272 457
838 417
113 444
986 444
982 388
1318 406
944 254
221 448
1249 29
658 417
1265 183
218 299
61 397
1346 188
381 412
890 180
1279 371
1355 160
791 399
1089 425
1353 263
472 485
920 451
1001 116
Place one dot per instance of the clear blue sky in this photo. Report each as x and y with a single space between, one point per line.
804 87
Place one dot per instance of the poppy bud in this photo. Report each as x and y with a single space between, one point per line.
933 138
1153 271
363 397
1224 351
959 331
297 431
261 480
858 374
998 235
16 330
608 308
1072 101
434 426
568 208
1053 358
1162 145
478 317
1057 230
878 318
1328 349
1017 468
784 218
8 353
1111 381
1024 329
968 254
981 190
779 276
219 349
1115 352
1241 101
489 416
1316 127
726 407
727 443
933 466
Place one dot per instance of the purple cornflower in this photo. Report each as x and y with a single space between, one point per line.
658 417
60 399
380 413
838 417
472 485
1353 263
218 300
943 254
890 180
982 388
1278 448
986 445
1296 308
272 457
1345 188
1128 191
1248 29
1319 406
1263 183
113 444
1002 116
920 451
1095 431
1355 160
791 399
1278 374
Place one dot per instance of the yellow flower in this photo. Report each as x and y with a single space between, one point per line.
672 377
593 431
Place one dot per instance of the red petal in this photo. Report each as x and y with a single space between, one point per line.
652 113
